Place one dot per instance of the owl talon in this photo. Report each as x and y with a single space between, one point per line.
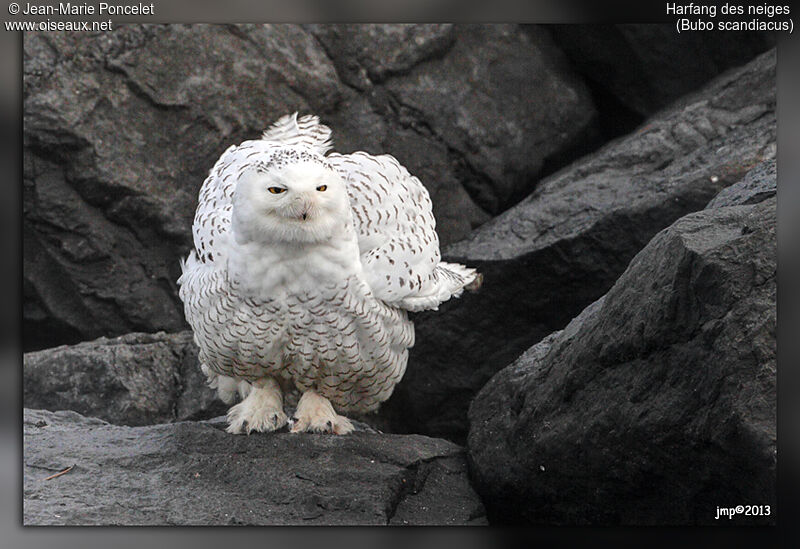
315 414
260 411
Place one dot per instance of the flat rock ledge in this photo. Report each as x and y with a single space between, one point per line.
194 473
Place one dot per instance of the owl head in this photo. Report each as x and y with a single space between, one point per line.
292 198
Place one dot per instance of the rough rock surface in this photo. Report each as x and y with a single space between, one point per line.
647 67
565 245
194 473
121 128
135 379
759 184
365 55
658 402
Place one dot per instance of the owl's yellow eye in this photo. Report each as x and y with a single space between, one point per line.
322 187
276 190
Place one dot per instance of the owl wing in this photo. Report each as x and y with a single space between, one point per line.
397 237
212 219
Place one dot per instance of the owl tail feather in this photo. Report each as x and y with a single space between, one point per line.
451 279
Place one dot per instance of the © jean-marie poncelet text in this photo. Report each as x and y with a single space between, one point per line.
100 8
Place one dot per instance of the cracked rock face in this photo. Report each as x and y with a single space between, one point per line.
194 473
657 402
565 245
135 379
121 128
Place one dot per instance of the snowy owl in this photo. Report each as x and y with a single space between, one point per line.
303 268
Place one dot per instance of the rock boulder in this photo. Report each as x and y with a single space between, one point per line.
657 404
135 379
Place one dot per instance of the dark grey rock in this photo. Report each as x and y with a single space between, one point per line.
658 402
647 67
505 101
565 245
759 184
136 379
193 473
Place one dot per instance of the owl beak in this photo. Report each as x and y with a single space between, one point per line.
305 208
302 215
302 205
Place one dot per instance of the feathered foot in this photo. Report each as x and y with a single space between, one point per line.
261 410
315 414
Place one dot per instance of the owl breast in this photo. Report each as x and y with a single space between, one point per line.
335 338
